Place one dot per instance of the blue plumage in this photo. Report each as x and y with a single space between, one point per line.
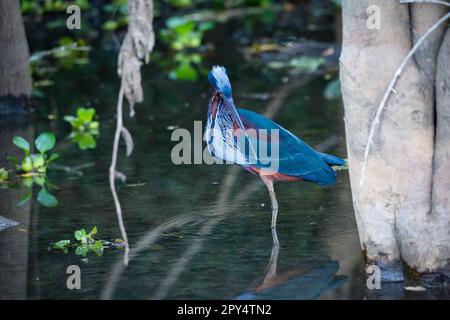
296 158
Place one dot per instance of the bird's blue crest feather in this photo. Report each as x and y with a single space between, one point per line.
219 80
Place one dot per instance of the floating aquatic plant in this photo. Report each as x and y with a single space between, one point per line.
37 163
86 242
84 128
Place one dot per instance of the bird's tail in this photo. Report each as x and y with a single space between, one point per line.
218 79
331 160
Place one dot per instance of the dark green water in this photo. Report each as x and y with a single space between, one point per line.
195 231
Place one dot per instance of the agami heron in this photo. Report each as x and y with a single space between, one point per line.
237 135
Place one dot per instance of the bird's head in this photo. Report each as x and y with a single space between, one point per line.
220 83
222 93
221 106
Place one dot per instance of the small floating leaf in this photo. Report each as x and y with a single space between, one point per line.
86 114
61 245
22 144
52 157
45 141
80 234
27 164
97 247
81 250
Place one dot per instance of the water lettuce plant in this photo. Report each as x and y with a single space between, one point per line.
84 128
36 163
84 121
85 242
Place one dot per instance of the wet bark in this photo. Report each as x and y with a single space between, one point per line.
15 79
393 205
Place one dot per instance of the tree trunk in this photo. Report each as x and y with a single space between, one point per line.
15 79
439 232
393 205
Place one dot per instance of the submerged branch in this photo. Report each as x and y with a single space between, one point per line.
390 89
136 46
112 174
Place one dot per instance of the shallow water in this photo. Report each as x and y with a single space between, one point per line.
195 231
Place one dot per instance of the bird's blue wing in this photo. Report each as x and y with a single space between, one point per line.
296 158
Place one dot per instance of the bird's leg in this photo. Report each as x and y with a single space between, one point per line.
272 266
269 183
274 254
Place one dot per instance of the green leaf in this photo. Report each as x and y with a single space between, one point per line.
22 144
97 247
45 141
61 245
52 157
81 250
93 231
80 234
85 140
85 115
27 164
38 161
47 199
94 125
